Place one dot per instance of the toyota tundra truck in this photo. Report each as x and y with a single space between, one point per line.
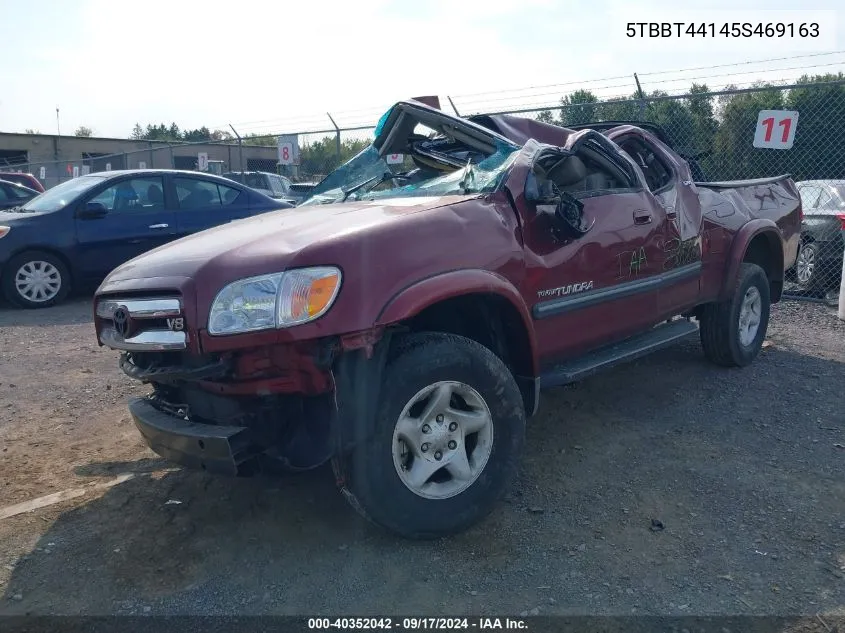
401 323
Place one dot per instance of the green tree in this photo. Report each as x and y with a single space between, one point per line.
546 116
200 134
674 117
578 108
259 139
734 155
84 131
701 107
160 132
29 130
320 157
619 109
819 148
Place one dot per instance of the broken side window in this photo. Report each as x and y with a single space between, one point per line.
585 170
655 171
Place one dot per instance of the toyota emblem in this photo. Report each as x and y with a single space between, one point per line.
121 321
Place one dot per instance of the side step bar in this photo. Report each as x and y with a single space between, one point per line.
630 349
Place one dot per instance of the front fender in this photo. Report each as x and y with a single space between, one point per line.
420 295
743 237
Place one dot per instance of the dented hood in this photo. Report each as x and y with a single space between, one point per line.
269 242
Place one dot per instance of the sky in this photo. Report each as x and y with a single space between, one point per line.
278 67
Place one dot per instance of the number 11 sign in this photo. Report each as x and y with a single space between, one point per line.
775 129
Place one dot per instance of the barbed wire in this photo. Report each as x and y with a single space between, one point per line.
650 74
369 114
652 84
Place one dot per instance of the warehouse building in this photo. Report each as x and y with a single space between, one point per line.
53 159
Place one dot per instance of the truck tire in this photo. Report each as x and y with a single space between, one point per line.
36 279
732 331
446 438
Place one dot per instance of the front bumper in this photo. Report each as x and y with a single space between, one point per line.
224 450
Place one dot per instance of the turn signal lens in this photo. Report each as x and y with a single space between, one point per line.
306 294
4 230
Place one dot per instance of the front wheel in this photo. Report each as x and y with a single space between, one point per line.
447 435
36 279
732 331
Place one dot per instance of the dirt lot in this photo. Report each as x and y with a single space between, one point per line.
744 469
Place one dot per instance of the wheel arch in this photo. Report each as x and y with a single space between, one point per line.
479 305
758 242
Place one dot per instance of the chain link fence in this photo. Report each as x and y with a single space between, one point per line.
715 130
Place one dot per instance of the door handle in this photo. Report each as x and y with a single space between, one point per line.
159 226
642 217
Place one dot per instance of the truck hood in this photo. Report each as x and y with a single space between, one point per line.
265 243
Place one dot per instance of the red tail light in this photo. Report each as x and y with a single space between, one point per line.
841 217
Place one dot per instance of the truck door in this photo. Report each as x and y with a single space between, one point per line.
684 235
601 285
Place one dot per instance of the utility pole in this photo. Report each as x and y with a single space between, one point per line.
58 128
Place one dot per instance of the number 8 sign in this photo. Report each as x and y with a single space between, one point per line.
286 153
775 129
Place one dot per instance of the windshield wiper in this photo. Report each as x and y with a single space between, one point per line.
360 185
375 181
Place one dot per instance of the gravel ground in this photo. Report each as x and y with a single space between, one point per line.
666 486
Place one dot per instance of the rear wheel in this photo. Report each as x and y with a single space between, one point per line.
732 331
36 279
448 431
807 272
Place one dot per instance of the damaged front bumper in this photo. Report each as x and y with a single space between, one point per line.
225 450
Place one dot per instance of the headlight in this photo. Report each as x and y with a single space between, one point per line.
4 230
274 301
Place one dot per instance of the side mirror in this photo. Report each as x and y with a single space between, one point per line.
92 211
567 220
569 216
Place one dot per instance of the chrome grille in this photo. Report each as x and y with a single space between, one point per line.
135 324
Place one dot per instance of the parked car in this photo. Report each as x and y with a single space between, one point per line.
79 230
402 325
14 195
272 185
819 263
27 180
300 191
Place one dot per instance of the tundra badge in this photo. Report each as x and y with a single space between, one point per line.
562 291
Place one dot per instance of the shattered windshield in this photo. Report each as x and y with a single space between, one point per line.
435 160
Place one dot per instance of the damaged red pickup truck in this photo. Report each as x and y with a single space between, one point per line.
401 323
